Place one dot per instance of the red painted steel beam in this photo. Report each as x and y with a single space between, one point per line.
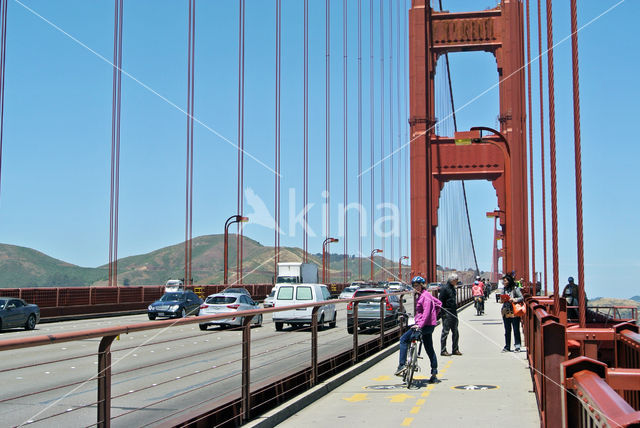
624 379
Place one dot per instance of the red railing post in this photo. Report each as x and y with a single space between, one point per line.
314 345
355 332
104 382
246 367
554 344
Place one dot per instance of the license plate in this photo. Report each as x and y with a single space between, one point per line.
160 314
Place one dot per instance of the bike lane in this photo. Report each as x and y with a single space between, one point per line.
483 387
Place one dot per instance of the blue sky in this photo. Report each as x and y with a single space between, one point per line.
57 134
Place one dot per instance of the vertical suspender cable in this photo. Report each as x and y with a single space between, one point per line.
405 85
305 160
345 165
115 141
190 111
399 154
327 220
3 56
552 153
382 199
391 145
542 162
359 139
578 157
276 243
372 125
240 139
530 116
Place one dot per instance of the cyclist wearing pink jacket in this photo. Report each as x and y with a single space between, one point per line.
426 319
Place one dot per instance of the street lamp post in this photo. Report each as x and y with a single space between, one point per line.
400 267
324 250
375 251
231 220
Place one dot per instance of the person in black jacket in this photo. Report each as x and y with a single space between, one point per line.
449 316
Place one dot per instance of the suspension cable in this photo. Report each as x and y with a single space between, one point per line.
345 112
305 160
190 112
542 147
3 55
359 138
372 127
382 130
276 239
115 138
327 219
399 137
552 152
391 145
530 117
240 195
578 160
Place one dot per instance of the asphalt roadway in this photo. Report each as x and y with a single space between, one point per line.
483 387
157 374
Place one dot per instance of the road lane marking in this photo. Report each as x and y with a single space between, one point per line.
406 422
426 393
356 397
379 378
420 402
430 387
415 410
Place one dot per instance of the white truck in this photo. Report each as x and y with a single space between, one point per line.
297 273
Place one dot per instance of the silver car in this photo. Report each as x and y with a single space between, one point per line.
228 303
369 310
268 301
348 292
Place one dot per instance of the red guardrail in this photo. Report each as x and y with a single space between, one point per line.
558 350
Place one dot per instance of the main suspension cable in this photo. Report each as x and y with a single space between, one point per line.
345 112
276 239
190 112
542 147
240 196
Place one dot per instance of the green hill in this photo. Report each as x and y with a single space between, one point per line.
25 267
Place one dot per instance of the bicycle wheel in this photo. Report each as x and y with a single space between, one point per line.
407 363
413 363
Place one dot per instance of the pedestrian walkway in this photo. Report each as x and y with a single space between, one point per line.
483 387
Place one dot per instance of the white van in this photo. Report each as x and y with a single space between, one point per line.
297 294
173 285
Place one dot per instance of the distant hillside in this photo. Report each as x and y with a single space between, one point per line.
609 301
636 298
24 267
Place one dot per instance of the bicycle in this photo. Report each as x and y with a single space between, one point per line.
413 355
479 305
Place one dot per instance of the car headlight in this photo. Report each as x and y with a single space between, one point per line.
150 307
174 308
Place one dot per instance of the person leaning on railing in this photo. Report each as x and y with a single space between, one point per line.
511 294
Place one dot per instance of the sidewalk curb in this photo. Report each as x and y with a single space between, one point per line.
291 407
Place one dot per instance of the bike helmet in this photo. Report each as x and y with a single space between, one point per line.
477 278
418 280
570 279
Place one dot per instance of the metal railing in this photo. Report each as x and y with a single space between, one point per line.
559 352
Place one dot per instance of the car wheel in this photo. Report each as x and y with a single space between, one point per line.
350 329
259 322
321 322
332 324
31 322
204 327
279 326
152 316
182 314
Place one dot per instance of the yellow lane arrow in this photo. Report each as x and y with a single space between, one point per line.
400 398
356 397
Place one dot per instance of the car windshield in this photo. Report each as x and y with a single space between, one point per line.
273 293
168 297
220 300
287 279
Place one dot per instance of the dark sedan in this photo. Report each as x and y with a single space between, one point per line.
18 313
177 304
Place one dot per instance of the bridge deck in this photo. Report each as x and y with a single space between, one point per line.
377 398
